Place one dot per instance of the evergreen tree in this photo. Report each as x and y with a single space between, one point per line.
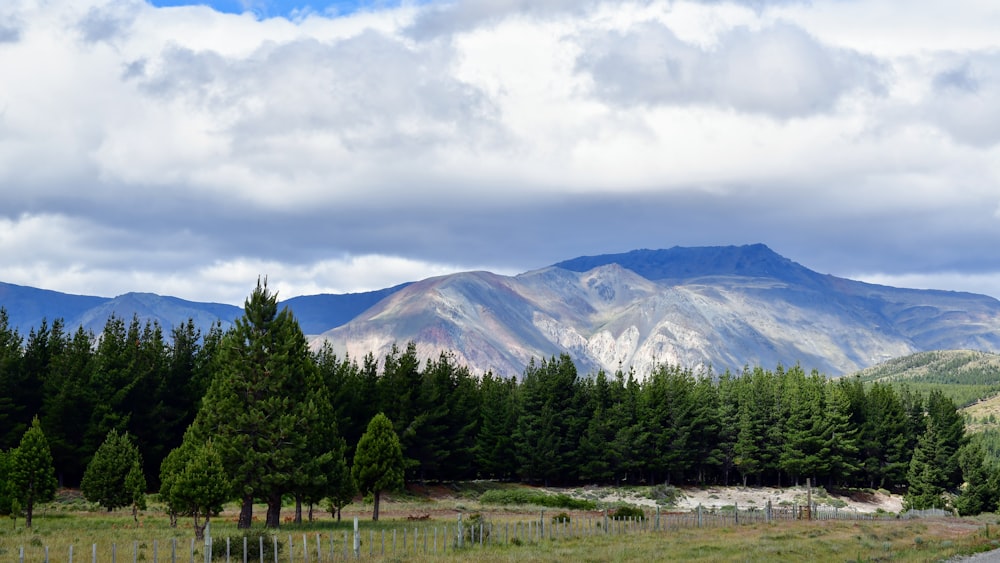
728 418
979 493
667 411
104 481
264 402
32 477
341 487
838 438
12 423
596 457
495 448
883 440
949 427
193 482
135 487
6 492
926 478
68 404
378 460
801 454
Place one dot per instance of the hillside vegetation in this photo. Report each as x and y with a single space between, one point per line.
965 376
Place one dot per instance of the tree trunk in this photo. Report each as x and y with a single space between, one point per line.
273 511
310 512
338 514
378 496
246 513
27 513
298 510
199 529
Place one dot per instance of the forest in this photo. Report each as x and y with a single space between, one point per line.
286 421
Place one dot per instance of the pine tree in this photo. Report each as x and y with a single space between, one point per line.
12 424
264 402
495 447
378 460
104 481
135 487
193 482
979 493
925 476
32 476
68 404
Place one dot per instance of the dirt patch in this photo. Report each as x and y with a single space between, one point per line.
746 497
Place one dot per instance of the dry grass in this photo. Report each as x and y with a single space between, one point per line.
895 540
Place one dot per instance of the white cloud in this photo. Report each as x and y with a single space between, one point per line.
187 151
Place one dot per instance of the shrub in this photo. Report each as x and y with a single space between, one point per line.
538 498
236 547
628 512
666 494
560 518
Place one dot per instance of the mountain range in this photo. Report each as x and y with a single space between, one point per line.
724 307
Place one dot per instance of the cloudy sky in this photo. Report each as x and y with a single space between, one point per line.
340 146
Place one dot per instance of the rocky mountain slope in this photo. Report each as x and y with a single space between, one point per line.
724 307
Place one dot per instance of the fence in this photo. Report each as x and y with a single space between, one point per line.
319 547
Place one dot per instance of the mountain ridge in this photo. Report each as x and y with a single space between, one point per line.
721 307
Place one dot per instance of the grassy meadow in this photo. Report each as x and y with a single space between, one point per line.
421 519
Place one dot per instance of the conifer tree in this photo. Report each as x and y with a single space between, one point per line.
265 402
104 481
193 482
32 477
378 460
979 493
926 478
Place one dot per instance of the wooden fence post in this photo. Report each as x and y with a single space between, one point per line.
357 539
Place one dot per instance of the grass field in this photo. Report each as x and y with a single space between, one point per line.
59 526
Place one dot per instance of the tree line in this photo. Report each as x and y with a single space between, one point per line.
270 419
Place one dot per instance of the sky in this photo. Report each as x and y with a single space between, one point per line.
185 149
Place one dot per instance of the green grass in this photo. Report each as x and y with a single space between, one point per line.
895 540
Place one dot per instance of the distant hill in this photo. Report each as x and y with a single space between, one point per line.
26 308
724 307
966 376
319 313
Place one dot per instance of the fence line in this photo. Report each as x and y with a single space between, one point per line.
474 533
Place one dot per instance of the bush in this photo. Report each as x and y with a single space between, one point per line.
628 512
667 495
560 518
537 498
236 547
473 527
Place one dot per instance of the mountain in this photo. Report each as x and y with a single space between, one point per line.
724 307
26 308
318 313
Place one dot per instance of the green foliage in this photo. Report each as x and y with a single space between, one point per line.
341 488
193 482
267 409
628 512
104 479
378 460
964 376
522 496
666 495
32 477
253 543
6 494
